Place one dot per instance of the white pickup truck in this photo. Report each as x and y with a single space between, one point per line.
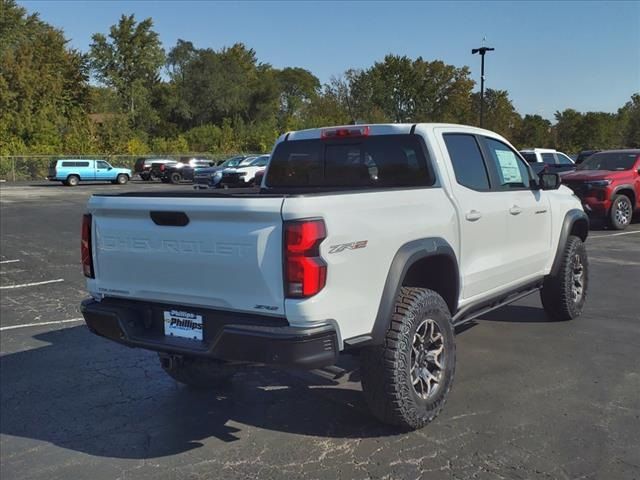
376 239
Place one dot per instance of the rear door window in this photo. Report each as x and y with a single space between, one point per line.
374 161
467 161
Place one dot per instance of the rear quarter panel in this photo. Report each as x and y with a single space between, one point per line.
385 220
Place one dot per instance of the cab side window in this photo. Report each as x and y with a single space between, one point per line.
512 172
467 161
549 158
563 159
102 164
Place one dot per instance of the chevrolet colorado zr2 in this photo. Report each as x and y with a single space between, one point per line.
371 239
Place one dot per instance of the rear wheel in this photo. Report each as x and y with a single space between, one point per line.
73 180
563 295
621 212
200 373
407 379
145 176
175 177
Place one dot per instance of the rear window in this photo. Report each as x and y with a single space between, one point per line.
375 161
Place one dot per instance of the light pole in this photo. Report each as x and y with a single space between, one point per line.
482 51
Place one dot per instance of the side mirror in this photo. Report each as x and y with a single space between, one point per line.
549 181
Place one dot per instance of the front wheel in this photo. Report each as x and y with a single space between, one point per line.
407 379
175 177
621 212
564 294
199 373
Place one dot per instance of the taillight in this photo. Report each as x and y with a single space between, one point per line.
85 246
343 132
305 271
162 167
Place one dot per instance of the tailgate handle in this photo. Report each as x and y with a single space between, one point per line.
169 219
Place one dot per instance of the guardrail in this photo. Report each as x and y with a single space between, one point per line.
35 167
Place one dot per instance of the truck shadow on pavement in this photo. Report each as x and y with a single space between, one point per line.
72 389
517 314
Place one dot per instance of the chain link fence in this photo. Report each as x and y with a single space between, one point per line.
35 167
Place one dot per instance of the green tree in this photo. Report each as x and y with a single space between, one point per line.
43 85
499 113
297 87
129 61
534 131
568 130
629 122
400 89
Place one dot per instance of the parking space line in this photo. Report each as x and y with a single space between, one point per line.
25 325
614 234
6 287
9 261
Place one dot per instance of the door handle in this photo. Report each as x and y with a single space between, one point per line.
515 210
473 215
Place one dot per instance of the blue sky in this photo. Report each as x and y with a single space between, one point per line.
549 55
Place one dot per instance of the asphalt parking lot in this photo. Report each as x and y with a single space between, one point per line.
532 399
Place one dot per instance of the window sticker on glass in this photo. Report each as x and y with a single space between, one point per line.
508 167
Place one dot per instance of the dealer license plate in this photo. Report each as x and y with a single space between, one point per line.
178 323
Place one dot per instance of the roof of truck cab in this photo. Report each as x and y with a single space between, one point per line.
382 129
539 150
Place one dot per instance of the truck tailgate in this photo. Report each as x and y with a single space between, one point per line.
227 256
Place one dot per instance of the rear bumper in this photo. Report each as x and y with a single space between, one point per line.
226 335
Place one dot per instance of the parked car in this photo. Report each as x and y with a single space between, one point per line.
243 175
584 154
143 166
371 239
177 172
72 171
547 159
203 178
608 184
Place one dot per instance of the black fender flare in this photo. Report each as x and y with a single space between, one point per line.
405 257
570 219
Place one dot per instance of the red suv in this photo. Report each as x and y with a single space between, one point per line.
608 183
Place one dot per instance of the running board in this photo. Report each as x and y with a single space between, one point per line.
474 311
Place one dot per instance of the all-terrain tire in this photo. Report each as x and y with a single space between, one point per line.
564 294
386 369
199 373
621 212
